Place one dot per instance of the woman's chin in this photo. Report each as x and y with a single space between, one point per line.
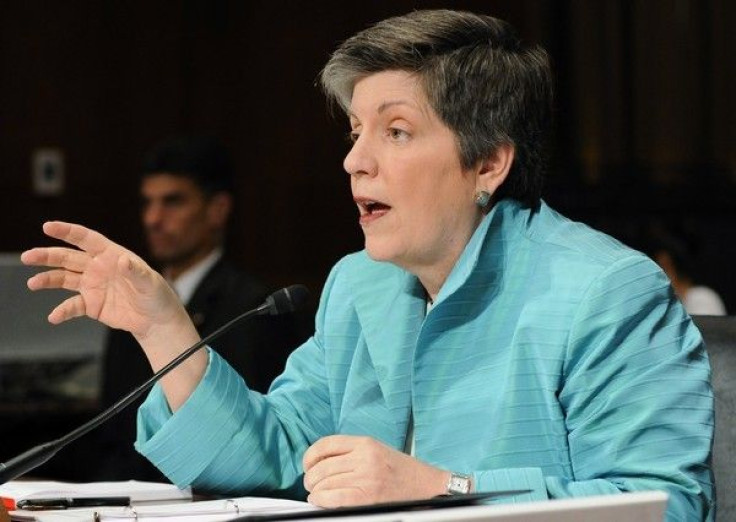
378 252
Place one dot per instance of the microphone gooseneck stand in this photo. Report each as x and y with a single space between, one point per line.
282 301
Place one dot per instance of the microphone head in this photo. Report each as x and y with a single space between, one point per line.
286 300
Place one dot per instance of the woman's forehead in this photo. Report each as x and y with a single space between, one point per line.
380 91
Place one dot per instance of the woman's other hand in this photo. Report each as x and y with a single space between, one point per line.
346 470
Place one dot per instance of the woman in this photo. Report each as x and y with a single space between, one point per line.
480 342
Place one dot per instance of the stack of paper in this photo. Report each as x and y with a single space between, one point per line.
202 511
14 491
642 506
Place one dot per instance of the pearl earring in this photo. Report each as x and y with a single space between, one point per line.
482 198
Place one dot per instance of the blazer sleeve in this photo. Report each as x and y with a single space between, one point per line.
636 395
228 438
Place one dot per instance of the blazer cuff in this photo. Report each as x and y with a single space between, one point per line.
183 443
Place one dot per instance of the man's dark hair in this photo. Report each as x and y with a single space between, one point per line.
203 159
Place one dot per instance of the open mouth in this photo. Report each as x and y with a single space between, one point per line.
370 207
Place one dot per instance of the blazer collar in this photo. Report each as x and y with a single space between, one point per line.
386 296
490 242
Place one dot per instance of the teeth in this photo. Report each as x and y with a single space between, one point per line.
368 206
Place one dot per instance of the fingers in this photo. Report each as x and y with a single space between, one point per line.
335 481
328 458
69 309
339 470
332 498
329 446
82 237
55 279
328 471
56 257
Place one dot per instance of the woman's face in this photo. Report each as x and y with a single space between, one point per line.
414 198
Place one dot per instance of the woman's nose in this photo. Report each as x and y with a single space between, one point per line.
361 159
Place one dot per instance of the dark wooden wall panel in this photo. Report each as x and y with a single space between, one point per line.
645 125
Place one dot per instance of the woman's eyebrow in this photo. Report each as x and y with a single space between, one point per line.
386 105
390 103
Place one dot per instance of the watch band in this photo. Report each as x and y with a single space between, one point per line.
458 484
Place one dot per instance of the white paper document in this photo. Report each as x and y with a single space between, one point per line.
205 511
136 490
645 506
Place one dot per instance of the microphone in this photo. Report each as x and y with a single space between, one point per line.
282 301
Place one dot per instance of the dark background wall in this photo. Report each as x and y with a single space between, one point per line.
646 121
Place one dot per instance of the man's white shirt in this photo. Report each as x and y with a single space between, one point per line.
187 282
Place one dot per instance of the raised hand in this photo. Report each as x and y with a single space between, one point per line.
345 470
117 288
113 285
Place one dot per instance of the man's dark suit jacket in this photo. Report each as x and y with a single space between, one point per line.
257 348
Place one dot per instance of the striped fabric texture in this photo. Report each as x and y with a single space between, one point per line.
554 359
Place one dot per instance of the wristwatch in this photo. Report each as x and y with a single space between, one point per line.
458 484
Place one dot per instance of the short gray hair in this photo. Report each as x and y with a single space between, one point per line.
486 86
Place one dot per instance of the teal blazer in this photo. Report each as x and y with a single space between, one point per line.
554 359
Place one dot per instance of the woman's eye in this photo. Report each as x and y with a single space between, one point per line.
352 137
397 134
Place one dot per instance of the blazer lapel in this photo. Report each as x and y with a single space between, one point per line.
391 306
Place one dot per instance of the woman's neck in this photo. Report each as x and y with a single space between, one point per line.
432 278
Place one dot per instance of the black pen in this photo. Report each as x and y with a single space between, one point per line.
35 504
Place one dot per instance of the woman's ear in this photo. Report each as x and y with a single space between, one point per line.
493 170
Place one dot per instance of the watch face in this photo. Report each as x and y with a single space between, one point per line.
458 485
